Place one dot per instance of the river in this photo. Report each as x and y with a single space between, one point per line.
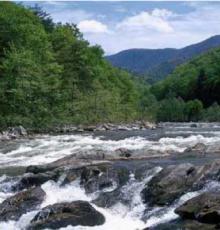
16 155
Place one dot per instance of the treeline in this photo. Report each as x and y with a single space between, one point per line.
192 91
50 75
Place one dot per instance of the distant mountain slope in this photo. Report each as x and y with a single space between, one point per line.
197 79
158 63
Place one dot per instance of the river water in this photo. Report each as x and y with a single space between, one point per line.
176 137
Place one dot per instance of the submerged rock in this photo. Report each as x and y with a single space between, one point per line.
14 207
204 208
63 214
170 184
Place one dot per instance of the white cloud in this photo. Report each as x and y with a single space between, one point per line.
92 26
147 21
158 28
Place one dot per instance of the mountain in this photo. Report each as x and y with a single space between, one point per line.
156 64
197 79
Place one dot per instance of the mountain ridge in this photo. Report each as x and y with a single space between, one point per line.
156 64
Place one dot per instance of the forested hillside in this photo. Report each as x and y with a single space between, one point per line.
194 84
50 75
156 64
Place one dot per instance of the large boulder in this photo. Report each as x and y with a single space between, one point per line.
204 208
17 205
95 178
102 177
171 183
63 214
30 179
17 131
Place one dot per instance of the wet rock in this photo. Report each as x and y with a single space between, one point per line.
63 214
148 125
170 184
100 128
183 225
30 179
102 177
90 128
108 199
16 131
204 208
39 168
123 152
14 207
71 175
95 178
198 148
194 125
123 128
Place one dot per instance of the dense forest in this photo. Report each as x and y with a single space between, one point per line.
50 75
191 92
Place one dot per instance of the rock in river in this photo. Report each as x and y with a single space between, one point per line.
204 208
14 207
63 214
29 179
170 184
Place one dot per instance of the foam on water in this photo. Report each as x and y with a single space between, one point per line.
119 217
129 216
46 149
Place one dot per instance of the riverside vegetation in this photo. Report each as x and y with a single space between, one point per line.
49 75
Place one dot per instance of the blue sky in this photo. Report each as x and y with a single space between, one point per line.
123 25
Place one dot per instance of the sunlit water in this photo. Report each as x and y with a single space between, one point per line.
45 149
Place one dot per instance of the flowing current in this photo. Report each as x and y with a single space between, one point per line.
45 149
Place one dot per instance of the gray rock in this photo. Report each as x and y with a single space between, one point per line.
204 208
63 214
183 225
198 148
171 183
108 199
14 207
17 131
30 179
90 128
96 178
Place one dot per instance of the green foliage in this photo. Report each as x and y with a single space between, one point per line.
197 79
50 75
176 110
212 114
171 109
193 109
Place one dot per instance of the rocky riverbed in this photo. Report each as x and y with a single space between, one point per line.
150 178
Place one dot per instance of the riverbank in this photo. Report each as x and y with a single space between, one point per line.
19 131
